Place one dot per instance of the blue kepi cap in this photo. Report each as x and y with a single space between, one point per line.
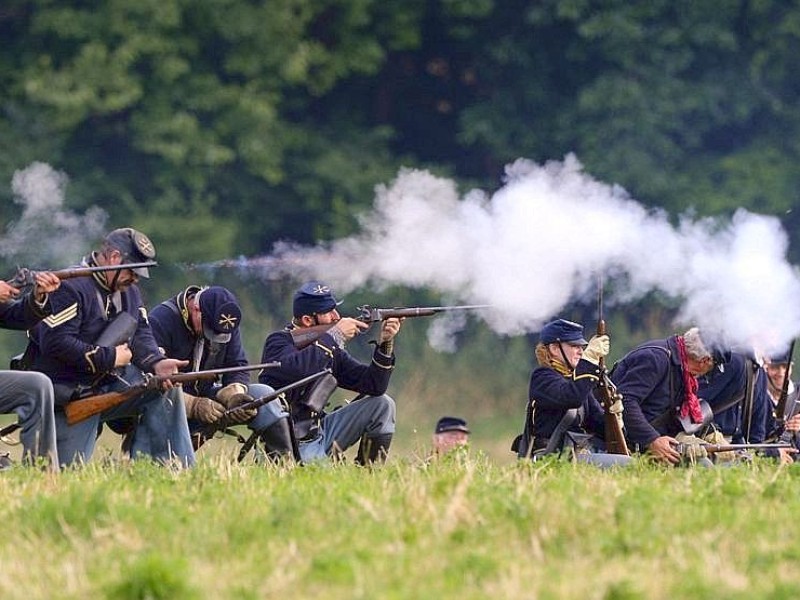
220 312
313 297
562 330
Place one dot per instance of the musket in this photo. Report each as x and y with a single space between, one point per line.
5 433
609 397
780 407
714 448
225 422
259 402
26 277
83 408
304 336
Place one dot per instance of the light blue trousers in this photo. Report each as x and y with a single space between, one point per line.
371 416
30 395
161 432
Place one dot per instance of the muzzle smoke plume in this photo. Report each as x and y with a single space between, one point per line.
544 238
46 235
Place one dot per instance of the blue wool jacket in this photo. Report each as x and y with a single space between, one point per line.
172 331
551 394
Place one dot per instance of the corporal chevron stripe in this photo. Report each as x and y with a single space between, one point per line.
60 318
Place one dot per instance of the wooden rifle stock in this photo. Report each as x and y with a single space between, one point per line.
83 408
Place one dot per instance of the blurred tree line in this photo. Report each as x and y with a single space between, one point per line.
242 122
220 127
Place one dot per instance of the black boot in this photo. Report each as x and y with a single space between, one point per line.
279 441
373 449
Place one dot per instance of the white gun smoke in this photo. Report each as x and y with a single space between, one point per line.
542 240
46 233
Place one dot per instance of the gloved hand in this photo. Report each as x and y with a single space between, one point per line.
715 437
598 348
231 396
692 447
227 393
202 409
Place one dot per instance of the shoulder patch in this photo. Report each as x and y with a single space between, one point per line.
62 317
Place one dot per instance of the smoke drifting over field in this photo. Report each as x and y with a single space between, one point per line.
46 235
543 239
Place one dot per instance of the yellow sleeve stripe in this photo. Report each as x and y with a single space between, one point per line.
591 376
327 350
65 315
89 356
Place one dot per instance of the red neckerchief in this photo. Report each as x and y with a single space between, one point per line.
691 404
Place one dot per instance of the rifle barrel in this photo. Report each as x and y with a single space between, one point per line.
712 448
369 313
780 408
85 271
222 371
258 402
25 277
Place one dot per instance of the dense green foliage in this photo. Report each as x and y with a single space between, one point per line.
458 528
241 123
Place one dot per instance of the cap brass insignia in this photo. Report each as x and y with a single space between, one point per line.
227 321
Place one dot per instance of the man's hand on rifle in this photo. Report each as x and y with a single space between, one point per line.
123 355
44 282
7 292
233 395
793 424
202 409
166 367
389 329
350 327
663 449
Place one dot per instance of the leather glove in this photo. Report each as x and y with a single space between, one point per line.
692 447
598 348
241 415
231 396
226 394
716 437
202 409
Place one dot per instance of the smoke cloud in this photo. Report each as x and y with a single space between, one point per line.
46 235
544 238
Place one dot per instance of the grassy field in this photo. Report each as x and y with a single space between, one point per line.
462 527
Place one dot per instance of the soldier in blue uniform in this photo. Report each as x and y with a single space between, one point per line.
658 383
449 434
562 411
778 368
738 397
27 393
371 418
201 325
63 347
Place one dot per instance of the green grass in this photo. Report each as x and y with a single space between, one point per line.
462 527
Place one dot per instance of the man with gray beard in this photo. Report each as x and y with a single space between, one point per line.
658 383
